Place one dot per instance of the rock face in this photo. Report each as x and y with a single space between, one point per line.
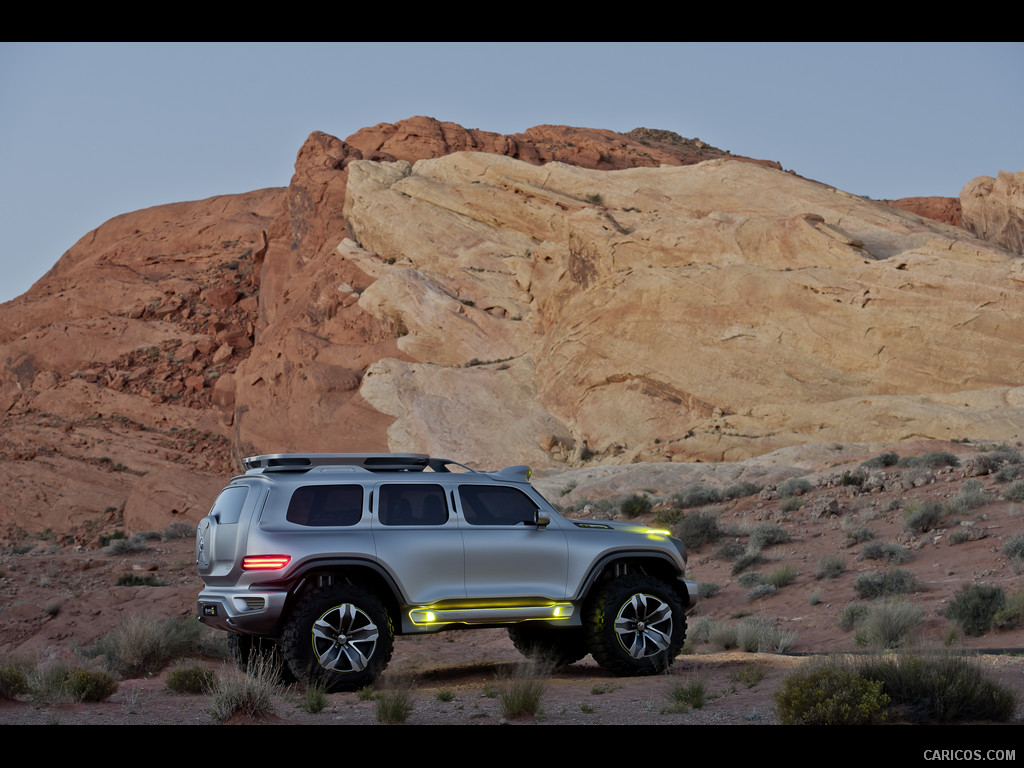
994 209
944 209
558 297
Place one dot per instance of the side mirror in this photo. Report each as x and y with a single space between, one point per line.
542 518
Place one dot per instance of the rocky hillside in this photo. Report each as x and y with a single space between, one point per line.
560 297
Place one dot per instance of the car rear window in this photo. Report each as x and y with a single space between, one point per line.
326 505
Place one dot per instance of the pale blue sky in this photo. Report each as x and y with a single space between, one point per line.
92 130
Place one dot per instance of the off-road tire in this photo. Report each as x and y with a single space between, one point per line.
339 636
635 625
246 649
560 647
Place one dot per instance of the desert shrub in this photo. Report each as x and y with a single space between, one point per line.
886 551
134 580
635 506
829 692
667 518
445 694
13 678
974 607
706 589
782 576
936 459
1013 549
695 529
750 579
127 546
852 615
887 459
767 534
795 486
90 685
921 517
889 624
315 699
748 559
761 635
939 687
142 645
749 675
521 693
761 591
790 504
830 567
249 694
740 491
1007 473
722 636
179 529
1015 492
893 581
190 678
853 478
729 550
1011 615
684 696
858 533
394 701
697 496
972 494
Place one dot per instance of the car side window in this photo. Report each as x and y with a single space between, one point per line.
228 506
412 504
496 505
326 505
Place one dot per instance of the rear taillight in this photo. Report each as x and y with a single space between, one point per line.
265 562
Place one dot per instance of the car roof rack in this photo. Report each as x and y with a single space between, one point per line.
375 462
371 462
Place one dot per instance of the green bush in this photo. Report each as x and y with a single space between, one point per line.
1011 615
795 486
936 459
521 692
852 615
635 506
134 580
791 504
893 581
142 645
889 624
697 496
972 494
1015 491
761 591
761 635
767 534
90 685
921 517
887 459
828 692
695 529
887 551
830 567
782 576
740 490
938 687
249 695
748 559
684 696
706 589
191 678
13 679
975 606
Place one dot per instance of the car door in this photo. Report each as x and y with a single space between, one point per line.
506 554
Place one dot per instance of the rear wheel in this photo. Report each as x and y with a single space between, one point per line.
559 646
339 636
635 625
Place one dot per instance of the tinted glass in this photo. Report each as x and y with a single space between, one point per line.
496 505
326 505
413 504
228 506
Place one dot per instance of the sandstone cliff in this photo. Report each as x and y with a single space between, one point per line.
555 297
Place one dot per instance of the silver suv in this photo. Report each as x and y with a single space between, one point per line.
323 558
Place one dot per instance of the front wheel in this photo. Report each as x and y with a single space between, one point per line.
635 626
339 636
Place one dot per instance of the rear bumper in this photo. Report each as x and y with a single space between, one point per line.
245 611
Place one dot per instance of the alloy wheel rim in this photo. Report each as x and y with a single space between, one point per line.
643 626
344 639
